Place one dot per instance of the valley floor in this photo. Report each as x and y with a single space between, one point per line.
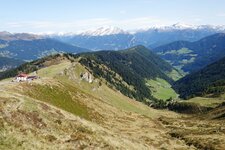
61 111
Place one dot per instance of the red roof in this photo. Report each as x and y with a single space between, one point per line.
22 75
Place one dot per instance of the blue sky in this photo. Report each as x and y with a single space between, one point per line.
77 15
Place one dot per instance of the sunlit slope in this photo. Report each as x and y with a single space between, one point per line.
61 108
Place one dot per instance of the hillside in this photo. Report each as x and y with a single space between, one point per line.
35 48
192 56
208 81
62 110
129 70
9 63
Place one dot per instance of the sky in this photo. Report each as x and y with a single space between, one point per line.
49 16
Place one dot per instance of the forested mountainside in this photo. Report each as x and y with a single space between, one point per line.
192 56
207 81
129 69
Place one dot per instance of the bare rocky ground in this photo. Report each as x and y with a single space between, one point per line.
31 119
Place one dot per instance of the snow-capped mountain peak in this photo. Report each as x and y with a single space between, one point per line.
104 31
182 26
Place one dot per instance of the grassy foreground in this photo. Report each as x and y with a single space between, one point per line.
62 111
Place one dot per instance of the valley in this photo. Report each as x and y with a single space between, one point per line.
62 108
112 75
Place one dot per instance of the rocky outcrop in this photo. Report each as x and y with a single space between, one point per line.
87 77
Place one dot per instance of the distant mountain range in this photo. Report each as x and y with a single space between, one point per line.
192 56
20 47
209 81
25 46
115 38
7 36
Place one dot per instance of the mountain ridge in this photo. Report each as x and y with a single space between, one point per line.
192 56
208 81
152 37
33 49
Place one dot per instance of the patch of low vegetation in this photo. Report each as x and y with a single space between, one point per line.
202 134
187 108
65 98
207 102
181 51
161 89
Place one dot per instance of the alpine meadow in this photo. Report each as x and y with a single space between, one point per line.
121 74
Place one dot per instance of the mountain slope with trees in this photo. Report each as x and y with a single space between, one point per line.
192 56
127 70
208 81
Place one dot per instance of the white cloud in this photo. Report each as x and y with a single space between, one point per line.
79 25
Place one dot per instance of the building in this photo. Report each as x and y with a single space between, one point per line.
24 77
21 77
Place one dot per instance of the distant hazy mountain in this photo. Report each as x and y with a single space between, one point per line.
115 38
100 39
192 56
209 80
102 31
34 48
7 36
9 63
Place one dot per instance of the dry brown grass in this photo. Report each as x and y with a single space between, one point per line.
33 121
201 133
